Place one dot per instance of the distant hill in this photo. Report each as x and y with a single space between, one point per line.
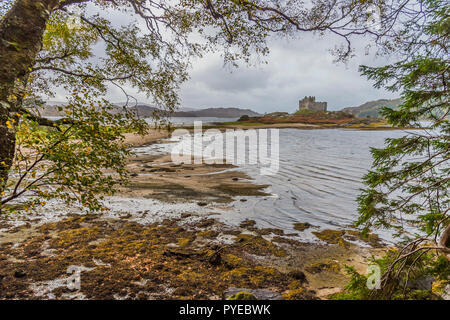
371 109
217 112
50 109
143 110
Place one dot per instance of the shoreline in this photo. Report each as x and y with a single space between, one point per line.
134 253
299 126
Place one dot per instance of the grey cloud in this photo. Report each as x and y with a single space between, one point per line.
236 82
296 67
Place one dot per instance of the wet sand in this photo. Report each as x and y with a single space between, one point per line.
153 135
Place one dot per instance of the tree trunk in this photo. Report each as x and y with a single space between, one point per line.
444 241
21 31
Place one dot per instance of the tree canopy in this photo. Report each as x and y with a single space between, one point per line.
409 183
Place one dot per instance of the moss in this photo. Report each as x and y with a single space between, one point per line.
219 165
242 189
232 260
191 276
265 270
208 234
330 236
296 294
416 295
183 242
76 236
438 286
344 244
133 247
371 238
242 296
206 223
239 272
251 226
267 231
256 276
302 226
70 223
127 254
248 224
296 284
259 245
340 237
328 265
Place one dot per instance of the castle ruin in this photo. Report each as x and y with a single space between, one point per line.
309 103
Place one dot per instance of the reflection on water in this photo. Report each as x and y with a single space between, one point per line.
318 181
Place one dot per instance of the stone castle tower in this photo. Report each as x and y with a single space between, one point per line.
309 103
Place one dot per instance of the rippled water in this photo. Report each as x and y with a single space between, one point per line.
318 180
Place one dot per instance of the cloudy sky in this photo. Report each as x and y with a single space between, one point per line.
295 68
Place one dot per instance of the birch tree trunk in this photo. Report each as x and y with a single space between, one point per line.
21 31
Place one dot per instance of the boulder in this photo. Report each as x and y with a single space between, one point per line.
425 283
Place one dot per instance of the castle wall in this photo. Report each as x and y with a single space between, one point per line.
309 103
318 106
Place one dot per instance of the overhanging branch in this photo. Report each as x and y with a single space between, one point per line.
44 121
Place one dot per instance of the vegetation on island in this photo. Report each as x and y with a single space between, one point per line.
328 119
